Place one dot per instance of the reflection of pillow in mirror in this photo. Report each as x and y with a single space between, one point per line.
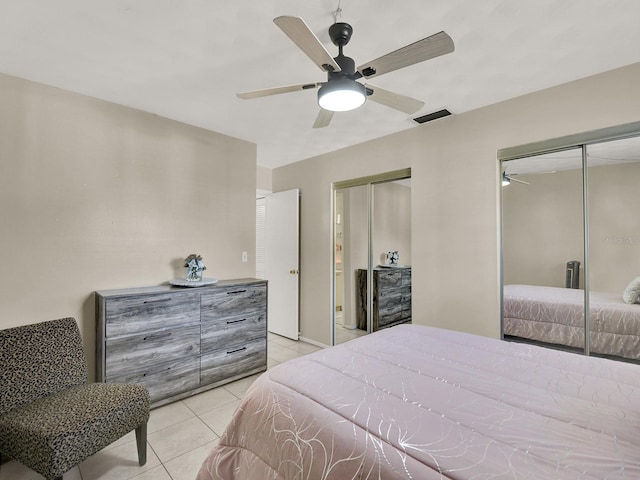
632 292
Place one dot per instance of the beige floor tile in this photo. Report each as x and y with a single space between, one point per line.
274 346
282 354
284 341
344 335
128 438
156 473
180 438
218 418
205 401
167 415
304 348
186 467
271 363
271 346
117 463
239 387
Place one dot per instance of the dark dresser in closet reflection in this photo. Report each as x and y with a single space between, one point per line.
391 297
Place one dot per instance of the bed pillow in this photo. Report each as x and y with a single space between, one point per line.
632 292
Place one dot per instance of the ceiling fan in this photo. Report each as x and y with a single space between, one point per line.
342 92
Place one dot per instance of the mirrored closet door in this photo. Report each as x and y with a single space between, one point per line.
613 185
543 248
571 244
372 246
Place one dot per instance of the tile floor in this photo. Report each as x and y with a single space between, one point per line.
179 435
344 334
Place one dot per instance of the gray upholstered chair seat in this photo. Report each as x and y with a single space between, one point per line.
51 418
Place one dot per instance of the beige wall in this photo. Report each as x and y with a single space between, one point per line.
96 196
543 228
263 181
455 197
391 222
614 226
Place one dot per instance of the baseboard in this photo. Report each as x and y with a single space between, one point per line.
313 342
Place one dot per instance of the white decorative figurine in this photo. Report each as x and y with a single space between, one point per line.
393 257
195 267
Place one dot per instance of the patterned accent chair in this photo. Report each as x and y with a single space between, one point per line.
51 419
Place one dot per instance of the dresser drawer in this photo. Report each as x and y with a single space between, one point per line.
389 278
167 379
135 353
233 360
391 318
389 300
136 314
227 301
220 332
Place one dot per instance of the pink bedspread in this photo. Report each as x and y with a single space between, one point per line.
556 315
424 403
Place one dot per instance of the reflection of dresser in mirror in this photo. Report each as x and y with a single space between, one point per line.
391 297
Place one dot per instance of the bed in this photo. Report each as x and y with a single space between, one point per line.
426 403
555 315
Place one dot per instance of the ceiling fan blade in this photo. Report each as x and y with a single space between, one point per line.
299 32
323 119
394 100
425 49
277 90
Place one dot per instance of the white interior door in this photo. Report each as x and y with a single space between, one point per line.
281 262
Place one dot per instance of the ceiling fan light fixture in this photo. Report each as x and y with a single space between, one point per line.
341 95
505 180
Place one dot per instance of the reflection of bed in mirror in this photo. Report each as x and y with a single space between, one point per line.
554 315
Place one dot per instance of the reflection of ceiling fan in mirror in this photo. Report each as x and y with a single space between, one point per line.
507 179
342 92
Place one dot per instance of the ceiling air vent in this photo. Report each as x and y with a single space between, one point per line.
432 116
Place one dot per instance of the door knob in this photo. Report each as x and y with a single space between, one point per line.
293 271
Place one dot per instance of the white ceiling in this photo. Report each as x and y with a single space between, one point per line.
186 59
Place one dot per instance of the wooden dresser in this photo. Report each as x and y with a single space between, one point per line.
181 341
391 297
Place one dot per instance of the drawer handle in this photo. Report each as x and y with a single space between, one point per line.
159 300
157 336
236 350
166 370
229 322
236 291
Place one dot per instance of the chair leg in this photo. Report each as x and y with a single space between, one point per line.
141 440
